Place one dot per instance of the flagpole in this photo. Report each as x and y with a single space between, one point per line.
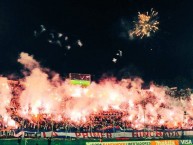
144 117
52 128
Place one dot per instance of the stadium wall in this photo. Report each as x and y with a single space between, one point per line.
41 142
95 142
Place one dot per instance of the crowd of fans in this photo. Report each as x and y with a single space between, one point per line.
181 94
102 121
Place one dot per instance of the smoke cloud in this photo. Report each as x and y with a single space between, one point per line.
59 100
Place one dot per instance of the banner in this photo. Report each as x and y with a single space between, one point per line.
132 134
157 133
120 143
186 142
120 135
165 142
87 134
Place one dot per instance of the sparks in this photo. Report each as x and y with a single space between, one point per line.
145 24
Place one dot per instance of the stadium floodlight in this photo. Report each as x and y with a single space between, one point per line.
80 79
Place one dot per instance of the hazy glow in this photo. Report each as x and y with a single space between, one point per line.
59 100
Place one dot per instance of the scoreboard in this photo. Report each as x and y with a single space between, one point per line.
80 79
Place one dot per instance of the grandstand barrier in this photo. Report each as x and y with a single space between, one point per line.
28 141
109 134
134 134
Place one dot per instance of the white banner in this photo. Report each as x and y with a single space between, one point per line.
120 143
133 134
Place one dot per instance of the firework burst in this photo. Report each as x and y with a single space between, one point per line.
145 25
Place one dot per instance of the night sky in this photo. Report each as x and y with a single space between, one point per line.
166 57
